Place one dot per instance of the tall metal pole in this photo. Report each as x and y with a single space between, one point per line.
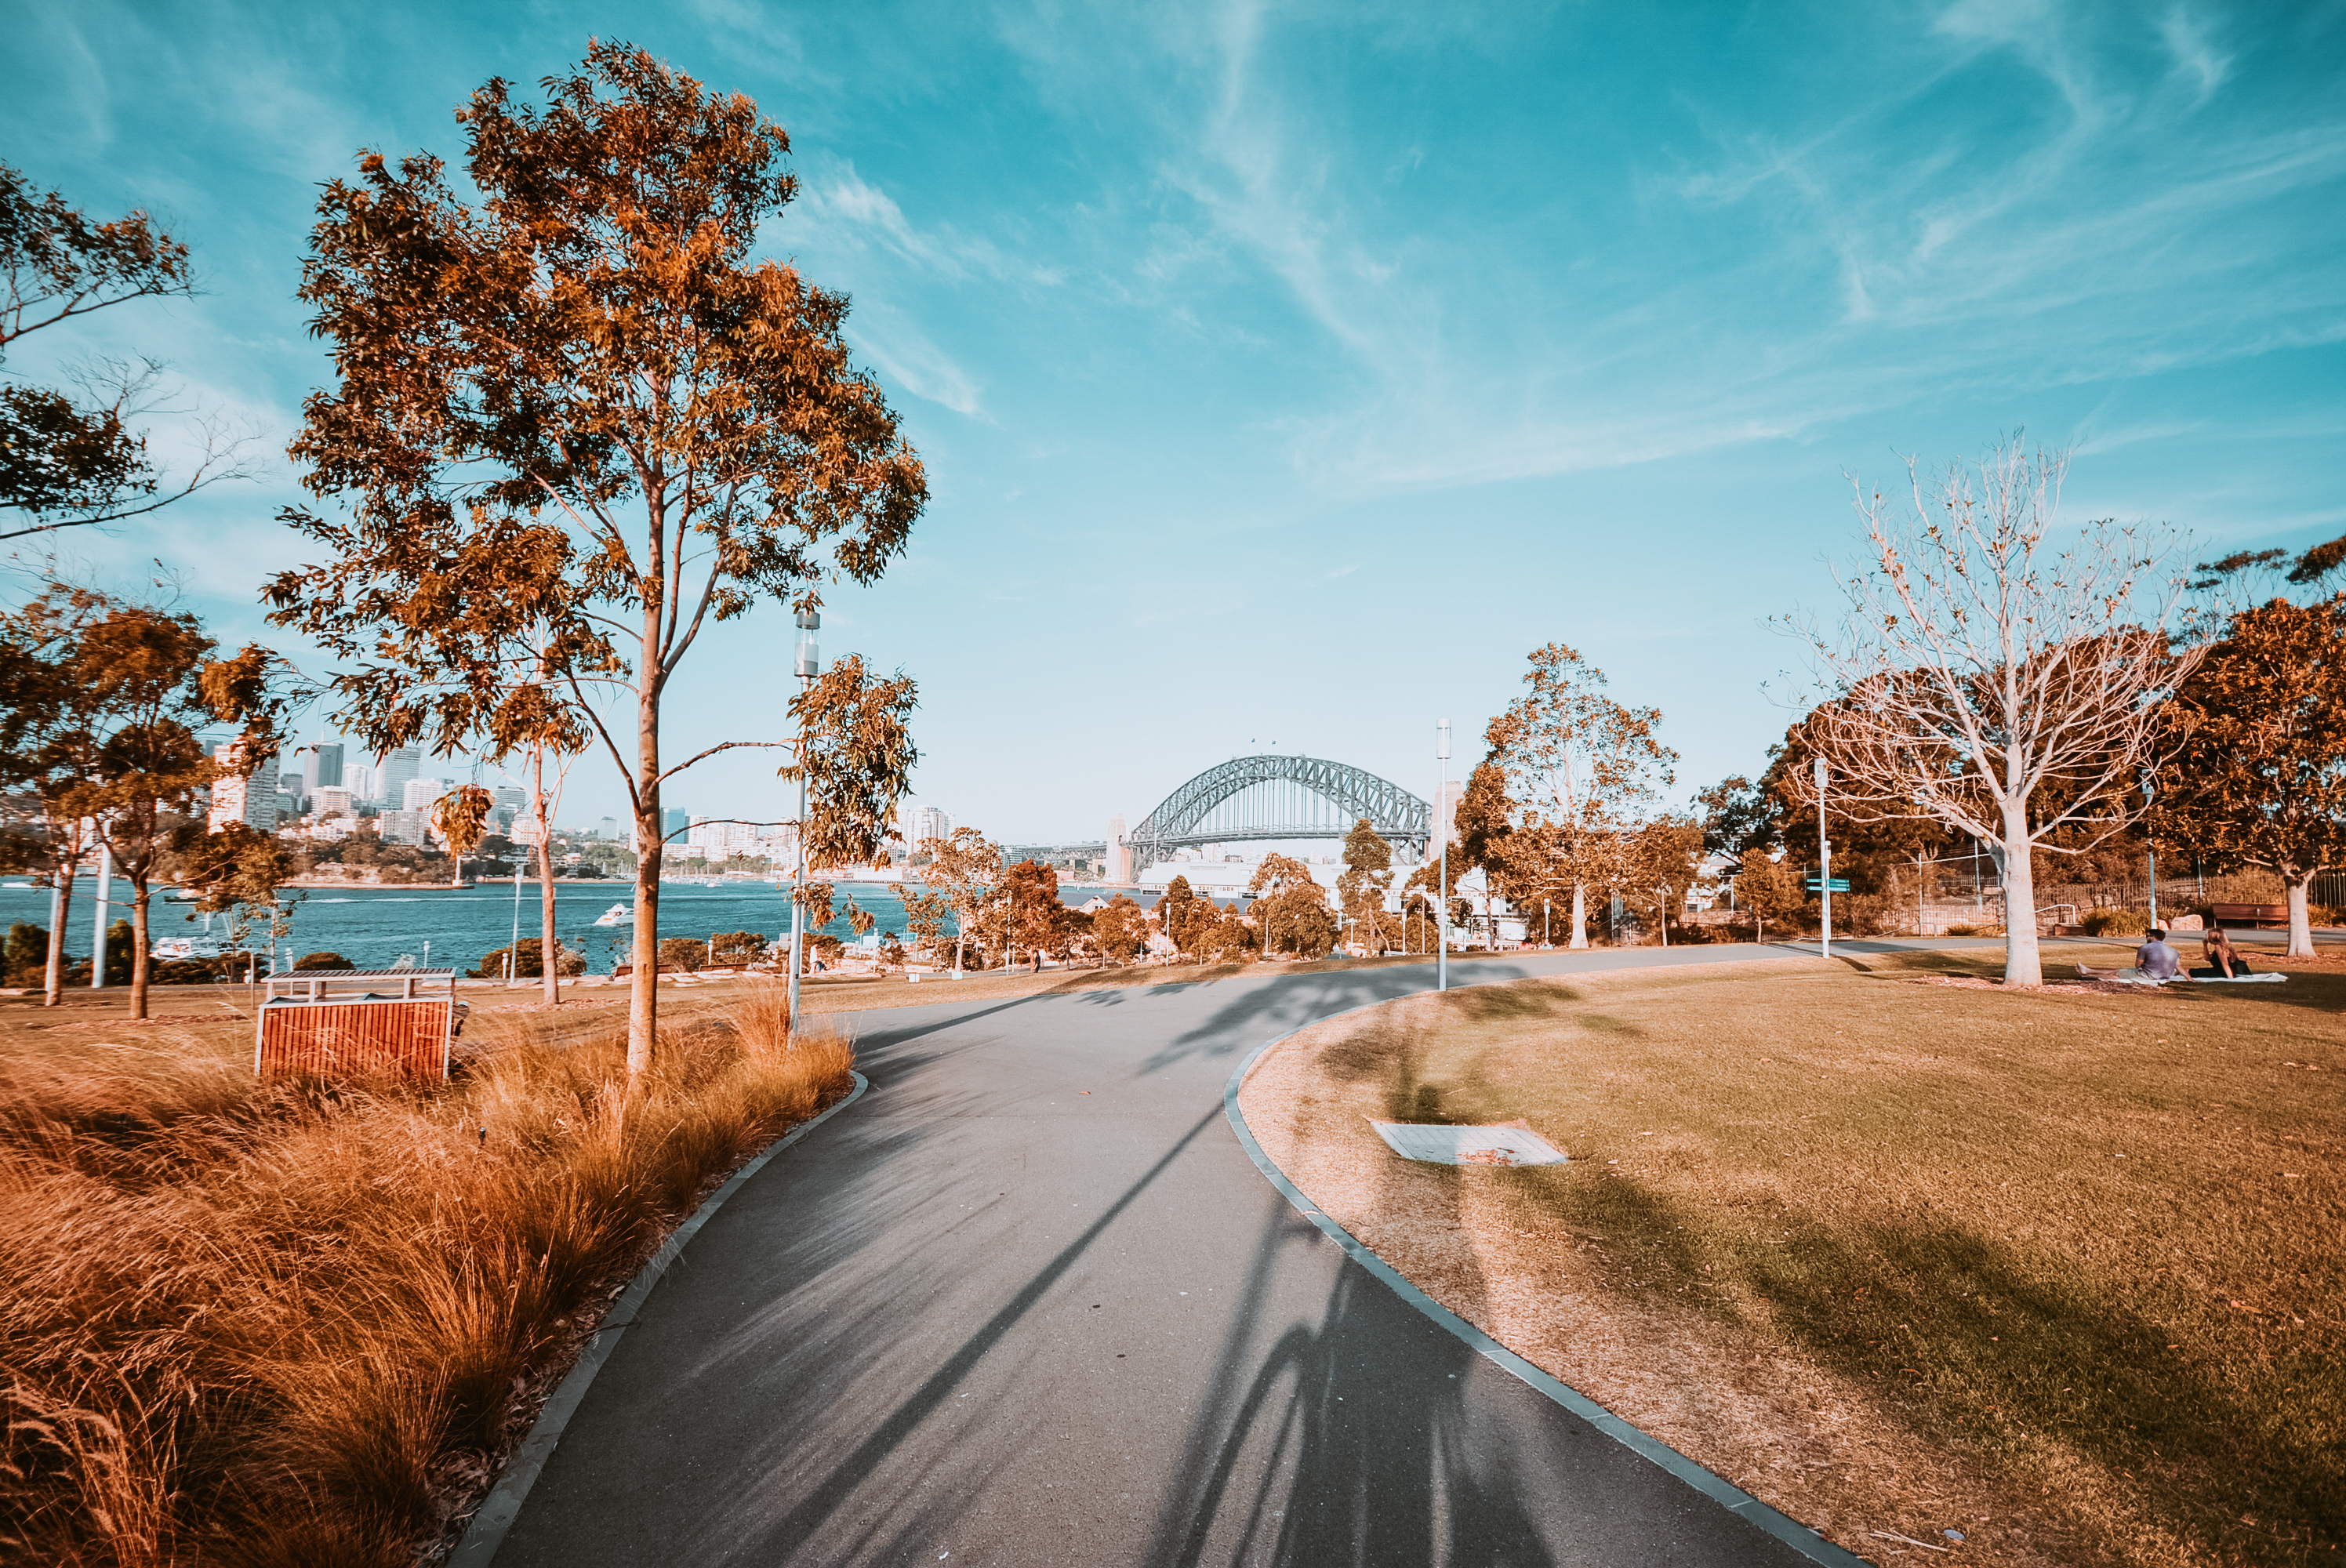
810 664
1442 960
105 891
1824 860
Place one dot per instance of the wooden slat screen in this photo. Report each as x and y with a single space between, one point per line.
338 1039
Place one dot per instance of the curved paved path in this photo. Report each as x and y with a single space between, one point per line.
1029 1302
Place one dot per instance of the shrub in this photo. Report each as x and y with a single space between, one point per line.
2116 922
737 949
567 960
26 960
688 953
323 961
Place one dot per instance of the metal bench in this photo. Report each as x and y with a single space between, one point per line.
336 1023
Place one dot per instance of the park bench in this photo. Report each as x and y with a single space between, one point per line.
2249 914
345 1021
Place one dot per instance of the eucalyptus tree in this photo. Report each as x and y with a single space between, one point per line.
1582 772
578 412
2256 767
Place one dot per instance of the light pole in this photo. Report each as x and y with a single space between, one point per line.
810 664
2150 849
1824 860
1548 935
1442 888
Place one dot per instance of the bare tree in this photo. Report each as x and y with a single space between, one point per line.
1986 678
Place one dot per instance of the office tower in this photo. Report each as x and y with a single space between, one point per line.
927 822
288 777
326 767
516 799
418 794
609 828
398 768
364 783
675 820
237 798
330 799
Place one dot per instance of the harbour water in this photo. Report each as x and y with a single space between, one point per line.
372 927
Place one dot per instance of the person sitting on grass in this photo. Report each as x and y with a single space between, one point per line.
2224 960
2157 960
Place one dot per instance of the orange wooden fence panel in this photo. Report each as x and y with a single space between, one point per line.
340 1039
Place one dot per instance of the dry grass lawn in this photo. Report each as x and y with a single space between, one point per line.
301 1323
2059 1271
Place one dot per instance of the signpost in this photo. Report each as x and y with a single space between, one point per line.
1828 884
1824 855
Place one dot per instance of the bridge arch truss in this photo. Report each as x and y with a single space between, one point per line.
1281 797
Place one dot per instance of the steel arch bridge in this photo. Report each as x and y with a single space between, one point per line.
1281 797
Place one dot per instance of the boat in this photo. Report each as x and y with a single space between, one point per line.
618 914
174 948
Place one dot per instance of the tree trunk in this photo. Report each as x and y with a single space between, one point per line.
2022 964
2301 920
1580 915
548 953
139 945
53 991
643 1002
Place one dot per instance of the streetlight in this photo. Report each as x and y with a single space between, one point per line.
1547 936
2149 849
1441 959
810 664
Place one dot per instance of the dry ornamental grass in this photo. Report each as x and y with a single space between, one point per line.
301 1323
2060 1271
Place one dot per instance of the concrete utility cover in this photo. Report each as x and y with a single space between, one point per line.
1507 1144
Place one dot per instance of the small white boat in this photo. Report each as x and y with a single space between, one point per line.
618 914
185 947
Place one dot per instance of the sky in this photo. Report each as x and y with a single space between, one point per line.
1284 375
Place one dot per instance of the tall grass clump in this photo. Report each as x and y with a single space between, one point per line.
303 1322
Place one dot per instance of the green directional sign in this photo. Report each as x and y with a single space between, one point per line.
1837 885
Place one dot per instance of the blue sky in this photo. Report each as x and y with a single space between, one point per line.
1286 374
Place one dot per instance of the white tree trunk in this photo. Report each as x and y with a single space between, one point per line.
2301 920
2022 964
1579 916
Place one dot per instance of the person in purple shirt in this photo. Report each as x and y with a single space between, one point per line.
2157 960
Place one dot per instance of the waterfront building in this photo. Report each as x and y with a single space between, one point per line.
404 828
927 822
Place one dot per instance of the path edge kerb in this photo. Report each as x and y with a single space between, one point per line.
498 1510
1736 1501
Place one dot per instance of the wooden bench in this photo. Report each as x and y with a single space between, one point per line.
343 1023
2249 914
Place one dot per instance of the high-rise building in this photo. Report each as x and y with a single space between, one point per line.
326 767
1119 853
418 794
675 819
288 777
609 828
927 822
238 798
516 799
398 768
365 783
329 800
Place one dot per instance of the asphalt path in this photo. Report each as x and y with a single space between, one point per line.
1029 1302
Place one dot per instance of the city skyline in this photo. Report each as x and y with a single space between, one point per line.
1284 379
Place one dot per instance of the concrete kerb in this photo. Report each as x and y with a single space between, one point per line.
498 1510
1734 1499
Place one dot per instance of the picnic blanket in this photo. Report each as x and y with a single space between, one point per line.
2132 976
1504 1143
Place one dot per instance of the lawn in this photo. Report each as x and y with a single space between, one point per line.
2058 1271
295 1322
